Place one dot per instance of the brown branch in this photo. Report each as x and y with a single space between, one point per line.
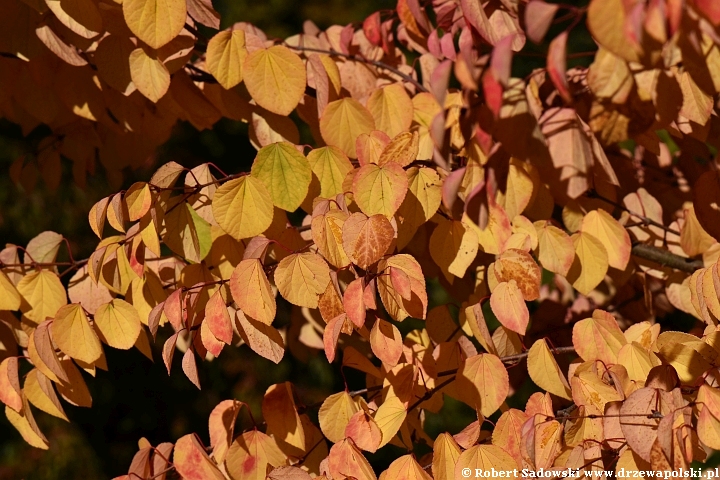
666 258
359 58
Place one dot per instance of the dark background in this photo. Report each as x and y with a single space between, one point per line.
137 398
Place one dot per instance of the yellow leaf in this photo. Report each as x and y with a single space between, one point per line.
386 342
275 78
334 415
343 121
155 22
445 455
406 468
149 74
25 424
611 234
598 338
389 418
518 265
545 372
42 295
391 108
420 204
380 190
243 207
603 18
186 232
73 334
403 150
226 53
509 307
281 416
80 16
327 235
250 455
118 323
483 383
252 292
346 461
708 429
519 191
139 200
453 247
40 392
285 172
590 264
10 393
9 296
555 249
483 459
637 361
301 278
330 165
697 105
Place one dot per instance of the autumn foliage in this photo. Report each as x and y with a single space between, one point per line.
562 215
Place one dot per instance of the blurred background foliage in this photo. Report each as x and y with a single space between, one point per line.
136 398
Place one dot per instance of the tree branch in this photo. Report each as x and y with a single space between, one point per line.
666 258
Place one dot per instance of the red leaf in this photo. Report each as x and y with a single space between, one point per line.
710 9
538 17
353 302
371 27
557 65
190 367
173 309
169 350
401 283
218 318
331 335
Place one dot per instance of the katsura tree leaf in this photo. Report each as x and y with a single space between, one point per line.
192 462
590 264
366 239
73 334
363 430
118 323
611 234
80 16
389 418
330 165
285 172
343 121
217 318
9 296
545 372
149 74
406 468
391 108
42 295
397 306
187 233
380 190
10 393
243 207
275 78
155 22
334 415
281 416
252 292
386 342
484 382
598 338
25 424
263 339
250 455
40 393
453 247
226 54
346 460
555 249
483 459
446 452
301 278
509 307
